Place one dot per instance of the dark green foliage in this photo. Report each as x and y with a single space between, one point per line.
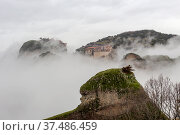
30 46
44 46
122 39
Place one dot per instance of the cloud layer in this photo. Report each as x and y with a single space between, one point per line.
78 22
39 89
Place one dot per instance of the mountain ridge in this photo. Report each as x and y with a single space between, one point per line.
146 37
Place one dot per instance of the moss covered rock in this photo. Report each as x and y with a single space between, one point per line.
113 94
111 80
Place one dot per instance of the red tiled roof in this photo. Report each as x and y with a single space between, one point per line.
92 47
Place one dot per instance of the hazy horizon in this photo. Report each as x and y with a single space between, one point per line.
40 88
78 22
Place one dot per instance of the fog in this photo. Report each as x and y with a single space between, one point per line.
40 88
172 50
79 22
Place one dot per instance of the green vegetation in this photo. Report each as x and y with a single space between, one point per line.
136 103
62 115
93 105
112 79
122 39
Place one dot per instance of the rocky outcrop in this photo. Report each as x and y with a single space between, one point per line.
46 54
148 61
134 59
131 39
158 61
113 94
158 58
43 47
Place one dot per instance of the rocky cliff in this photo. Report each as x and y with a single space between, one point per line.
128 40
43 47
113 94
148 61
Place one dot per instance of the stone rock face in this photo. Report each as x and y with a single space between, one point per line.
42 47
113 94
46 54
147 62
131 39
134 59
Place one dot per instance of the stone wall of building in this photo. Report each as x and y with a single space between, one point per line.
100 54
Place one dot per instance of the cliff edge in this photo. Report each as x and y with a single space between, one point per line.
114 94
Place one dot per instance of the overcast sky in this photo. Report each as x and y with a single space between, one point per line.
78 22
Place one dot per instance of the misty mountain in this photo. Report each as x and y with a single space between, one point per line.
128 40
43 47
148 61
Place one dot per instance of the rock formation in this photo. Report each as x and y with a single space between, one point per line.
129 40
43 47
135 60
148 61
158 58
113 94
158 61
